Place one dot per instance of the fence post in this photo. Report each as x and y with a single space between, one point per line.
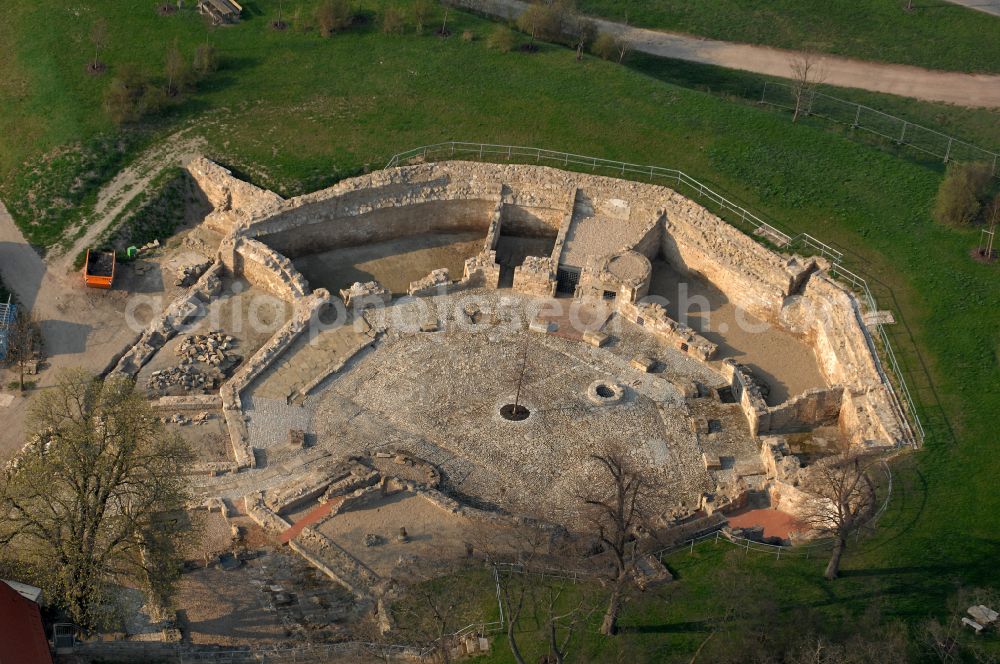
994 164
947 153
857 118
763 92
902 134
691 552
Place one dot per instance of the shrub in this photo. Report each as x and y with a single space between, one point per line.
131 96
392 21
540 21
467 36
333 16
501 39
605 46
961 194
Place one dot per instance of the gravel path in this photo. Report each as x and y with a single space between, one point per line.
985 6
977 90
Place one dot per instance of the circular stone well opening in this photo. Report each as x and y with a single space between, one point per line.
514 412
605 392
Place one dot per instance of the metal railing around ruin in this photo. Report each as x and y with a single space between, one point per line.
899 131
900 395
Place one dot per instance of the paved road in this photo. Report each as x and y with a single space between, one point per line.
979 90
985 6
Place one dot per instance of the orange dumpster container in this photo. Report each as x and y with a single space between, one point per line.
99 270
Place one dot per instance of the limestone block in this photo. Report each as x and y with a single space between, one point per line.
595 338
643 363
711 461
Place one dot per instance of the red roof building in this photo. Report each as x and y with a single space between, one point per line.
22 637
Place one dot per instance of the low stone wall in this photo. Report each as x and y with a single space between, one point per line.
564 226
305 309
654 318
482 270
336 563
269 271
813 408
189 402
751 276
536 276
263 516
493 231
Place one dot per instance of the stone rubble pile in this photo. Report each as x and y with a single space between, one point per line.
206 348
205 362
189 273
186 377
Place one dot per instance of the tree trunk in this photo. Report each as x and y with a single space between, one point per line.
798 105
555 655
512 642
833 567
609 626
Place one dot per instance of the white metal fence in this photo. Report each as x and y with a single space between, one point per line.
903 132
902 399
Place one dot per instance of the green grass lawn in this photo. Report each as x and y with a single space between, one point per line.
936 34
294 112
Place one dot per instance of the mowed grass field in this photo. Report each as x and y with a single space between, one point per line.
935 34
293 111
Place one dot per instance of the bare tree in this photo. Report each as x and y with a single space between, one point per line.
92 500
807 74
175 68
23 343
533 567
841 499
99 38
614 510
433 609
584 33
539 21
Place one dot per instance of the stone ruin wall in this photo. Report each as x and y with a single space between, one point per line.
461 196
235 203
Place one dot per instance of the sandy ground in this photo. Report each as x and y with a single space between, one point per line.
433 534
394 264
210 441
950 87
81 327
785 362
774 522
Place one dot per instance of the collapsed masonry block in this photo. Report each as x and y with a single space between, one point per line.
541 326
596 339
711 461
367 294
434 283
643 363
